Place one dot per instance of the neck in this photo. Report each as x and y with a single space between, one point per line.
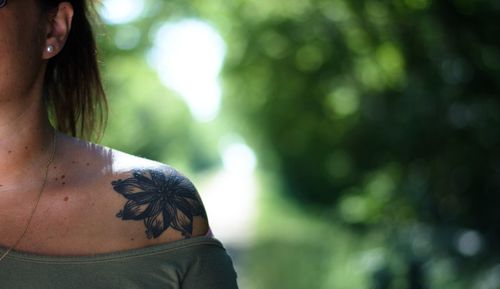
25 140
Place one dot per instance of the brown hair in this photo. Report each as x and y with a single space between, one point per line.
73 88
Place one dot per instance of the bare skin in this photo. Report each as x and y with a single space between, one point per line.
78 211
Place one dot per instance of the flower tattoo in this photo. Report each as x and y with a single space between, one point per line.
160 200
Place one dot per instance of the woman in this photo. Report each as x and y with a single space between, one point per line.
74 214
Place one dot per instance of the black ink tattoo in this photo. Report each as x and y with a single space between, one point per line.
161 201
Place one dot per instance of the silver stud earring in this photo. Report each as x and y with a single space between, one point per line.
50 48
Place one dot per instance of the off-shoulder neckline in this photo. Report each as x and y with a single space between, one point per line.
112 256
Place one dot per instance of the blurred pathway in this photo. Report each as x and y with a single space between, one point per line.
230 199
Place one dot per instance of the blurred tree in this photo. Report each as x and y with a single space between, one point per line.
392 102
387 111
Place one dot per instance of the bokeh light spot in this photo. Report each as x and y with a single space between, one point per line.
274 44
127 37
391 61
309 58
354 209
121 11
344 101
188 56
239 158
469 243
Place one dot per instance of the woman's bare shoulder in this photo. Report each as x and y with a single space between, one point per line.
160 197
145 202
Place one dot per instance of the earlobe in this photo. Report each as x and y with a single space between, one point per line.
58 29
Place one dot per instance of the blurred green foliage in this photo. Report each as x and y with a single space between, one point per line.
383 113
379 119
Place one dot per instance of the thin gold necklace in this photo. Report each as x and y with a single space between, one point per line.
42 187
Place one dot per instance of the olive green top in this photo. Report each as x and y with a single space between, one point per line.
196 263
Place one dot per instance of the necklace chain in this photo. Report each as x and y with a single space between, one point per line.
33 210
